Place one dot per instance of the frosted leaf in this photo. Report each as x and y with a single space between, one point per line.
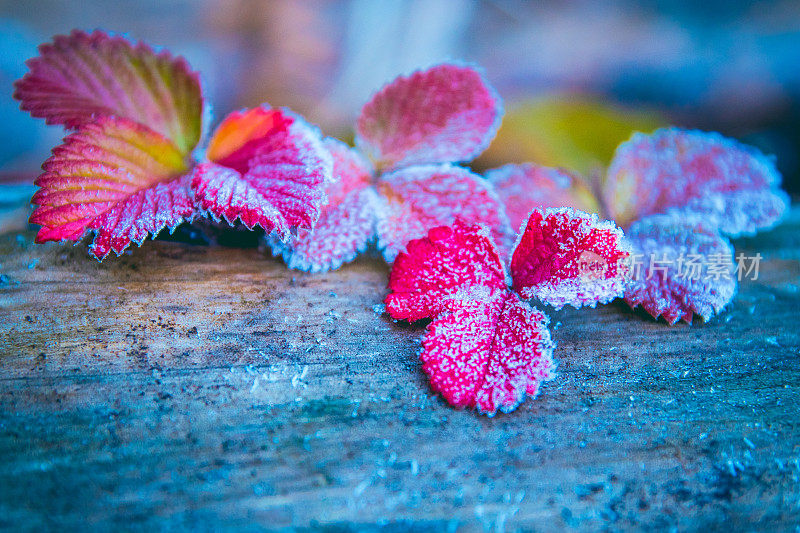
680 268
448 266
446 113
423 197
488 354
115 177
273 176
567 257
732 186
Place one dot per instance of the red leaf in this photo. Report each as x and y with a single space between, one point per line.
283 185
80 77
449 266
677 265
447 113
346 224
488 354
567 257
116 177
522 188
732 186
423 197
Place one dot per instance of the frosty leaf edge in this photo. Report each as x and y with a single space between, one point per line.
103 173
77 77
267 168
450 130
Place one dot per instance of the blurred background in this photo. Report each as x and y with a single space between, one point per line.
577 77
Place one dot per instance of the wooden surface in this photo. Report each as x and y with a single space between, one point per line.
205 387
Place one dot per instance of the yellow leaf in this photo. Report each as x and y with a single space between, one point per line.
578 133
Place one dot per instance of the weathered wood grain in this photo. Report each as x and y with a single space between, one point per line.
205 387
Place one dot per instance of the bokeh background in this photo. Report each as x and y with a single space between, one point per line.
576 76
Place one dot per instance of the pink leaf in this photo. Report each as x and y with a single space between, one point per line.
280 186
734 187
346 224
447 113
448 266
80 77
423 197
525 187
567 257
680 268
488 354
116 177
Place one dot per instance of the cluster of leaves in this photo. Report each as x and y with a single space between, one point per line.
135 163
676 194
129 168
486 347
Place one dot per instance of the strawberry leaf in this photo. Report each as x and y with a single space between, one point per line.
80 77
488 354
522 188
446 113
567 257
346 224
277 176
423 197
115 177
449 266
732 186
680 267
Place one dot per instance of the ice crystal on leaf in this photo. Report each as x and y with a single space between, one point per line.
486 348
116 177
488 354
402 180
128 170
678 194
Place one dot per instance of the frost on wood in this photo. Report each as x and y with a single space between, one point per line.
273 177
449 266
488 354
567 257
115 177
522 188
79 77
732 186
347 222
447 113
423 197
680 268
